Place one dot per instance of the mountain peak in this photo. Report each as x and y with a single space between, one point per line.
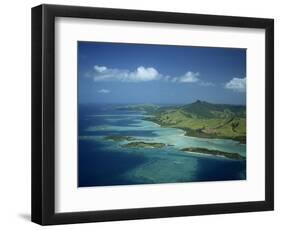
200 102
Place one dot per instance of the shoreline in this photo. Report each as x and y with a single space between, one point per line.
206 136
135 143
216 153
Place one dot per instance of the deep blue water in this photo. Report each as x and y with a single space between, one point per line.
103 162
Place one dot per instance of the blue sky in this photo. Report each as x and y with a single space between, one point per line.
161 74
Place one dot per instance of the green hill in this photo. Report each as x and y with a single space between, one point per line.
203 119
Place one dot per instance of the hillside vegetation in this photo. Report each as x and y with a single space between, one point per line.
202 119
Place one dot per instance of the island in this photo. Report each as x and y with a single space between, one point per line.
119 138
200 119
142 144
235 156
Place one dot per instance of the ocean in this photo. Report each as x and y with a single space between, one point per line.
103 162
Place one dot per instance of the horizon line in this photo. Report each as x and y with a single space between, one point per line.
159 103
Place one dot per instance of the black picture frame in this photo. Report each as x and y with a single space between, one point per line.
43 114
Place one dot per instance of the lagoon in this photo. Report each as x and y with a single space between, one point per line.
103 161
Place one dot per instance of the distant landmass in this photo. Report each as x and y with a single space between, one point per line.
199 119
235 156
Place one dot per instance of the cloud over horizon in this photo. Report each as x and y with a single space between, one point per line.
143 74
192 77
237 84
189 77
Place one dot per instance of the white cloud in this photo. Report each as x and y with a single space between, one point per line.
188 77
100 69
236 84
104 91
144 74
141 74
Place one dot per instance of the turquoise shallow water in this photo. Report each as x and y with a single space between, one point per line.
104 162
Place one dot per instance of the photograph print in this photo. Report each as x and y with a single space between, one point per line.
153 114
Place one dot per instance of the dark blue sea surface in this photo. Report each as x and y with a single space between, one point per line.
103 162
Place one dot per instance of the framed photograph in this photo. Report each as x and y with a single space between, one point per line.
141 114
